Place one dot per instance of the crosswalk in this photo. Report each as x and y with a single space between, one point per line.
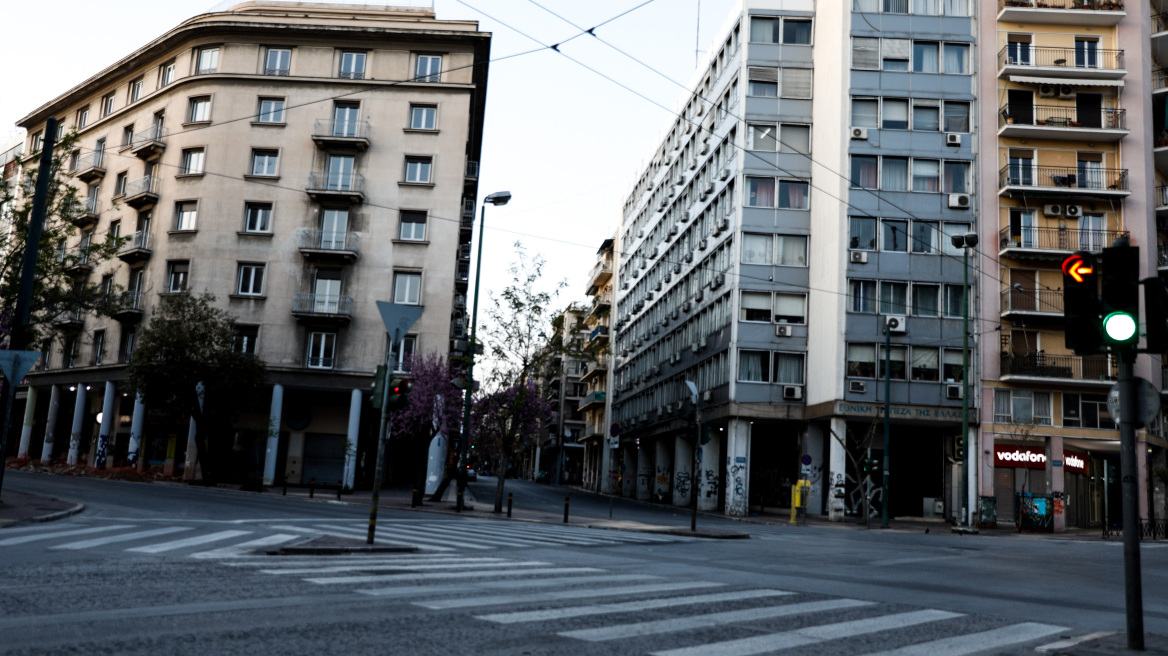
651 614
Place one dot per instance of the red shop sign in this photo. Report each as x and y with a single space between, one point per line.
1008 455
1075 462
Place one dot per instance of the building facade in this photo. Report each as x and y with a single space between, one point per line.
559 456
300 167
597 473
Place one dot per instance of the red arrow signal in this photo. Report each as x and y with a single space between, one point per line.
1076 268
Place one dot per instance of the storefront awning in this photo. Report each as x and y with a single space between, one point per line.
1067 81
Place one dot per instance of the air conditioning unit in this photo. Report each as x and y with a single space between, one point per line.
668 277
689 258
676 313
1066 92
718 281
953 392
694 347
859 257
679 179
959 201
707 395
952 139
655 329
1047 91
624 285
782 331
1052 210
895 324
860 133
693 164
1073 211
657 287
792 392
709 188
648 296
724 174
704 343
721 225
664 321
702 245
704 149
672 230
857 386
677 268
699 296
641 233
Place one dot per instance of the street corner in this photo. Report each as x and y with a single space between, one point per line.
19 508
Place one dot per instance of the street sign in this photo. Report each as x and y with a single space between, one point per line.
614 430
806 459
1147 402
15 364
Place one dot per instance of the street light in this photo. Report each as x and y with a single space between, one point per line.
497 198
965 242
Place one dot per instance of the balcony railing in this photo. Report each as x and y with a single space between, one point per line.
1080 59
1063 177
138 241
598 332
592 398
151 134
1159 80
328 128
353 183
1053 116
323 304
1058 239
145 185
276 71
1072 367
1090 5
1159 23
328 240
1161 195
1032 301
472 170
94 160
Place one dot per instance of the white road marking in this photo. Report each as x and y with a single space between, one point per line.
189 542
408 536
59 534
241 550
270 562
498 600
388 578
465 563
123 537
354 535
977 642
463 588
630 606
1071 642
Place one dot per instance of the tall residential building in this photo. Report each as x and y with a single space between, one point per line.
299 166
560 451
799 207
596 438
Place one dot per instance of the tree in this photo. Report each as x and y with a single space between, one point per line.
503 422
435 407
188 342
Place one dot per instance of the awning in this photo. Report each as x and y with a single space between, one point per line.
1065 80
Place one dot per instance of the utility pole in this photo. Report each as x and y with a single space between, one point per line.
887 412
1133 585
693 512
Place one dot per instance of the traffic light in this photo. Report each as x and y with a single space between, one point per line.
399 392
1081 305
378 391
1155 315
1121 296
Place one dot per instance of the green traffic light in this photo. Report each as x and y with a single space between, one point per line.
1119 326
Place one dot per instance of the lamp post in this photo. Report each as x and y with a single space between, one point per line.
497 198
965 242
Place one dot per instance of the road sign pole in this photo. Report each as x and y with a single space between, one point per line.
382 437
1133 585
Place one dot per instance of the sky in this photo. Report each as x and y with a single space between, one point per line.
566 142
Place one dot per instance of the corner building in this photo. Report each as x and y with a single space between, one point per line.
298 165
805 197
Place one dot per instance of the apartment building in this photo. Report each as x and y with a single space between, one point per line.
598 443
300 166
801 204
560 452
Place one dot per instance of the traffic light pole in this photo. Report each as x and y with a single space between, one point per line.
965 455
887 412
1133 585
382 438
697 479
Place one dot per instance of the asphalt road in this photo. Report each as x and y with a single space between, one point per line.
171 569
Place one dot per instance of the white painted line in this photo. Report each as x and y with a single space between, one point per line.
59 534
1071 642
412 535
346 534
123 537
712 619
498 600
241 550
630 606
560 535
189 542
270 562
388 578
500 537
810 635
977 642
464 563
608 534
464 588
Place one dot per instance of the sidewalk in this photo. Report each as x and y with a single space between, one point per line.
17 508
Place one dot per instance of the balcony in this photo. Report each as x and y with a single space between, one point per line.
472 170
341 135
600 274
320 245
77 261
598 336
130 307
462 274
69 320
593 400
88 215
1032 304
1062 181
1066 369
90 167
137 249
332 309
142 192
327 187
594 370
149 143
1062 12
1063 63
1062 122
1161 202
1053 242
1162 257
1159 38
601 304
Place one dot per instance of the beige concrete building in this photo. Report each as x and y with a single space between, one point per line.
299 161
598 447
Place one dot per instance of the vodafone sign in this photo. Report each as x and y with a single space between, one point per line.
1030 457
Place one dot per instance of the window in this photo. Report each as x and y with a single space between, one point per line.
98 347
796 32
134 91
207 61
894 175
129 336
185 214
956 115
925 57
791 250
429 68
926 115
796 83
788 369
107 104
792 195
199 109
760 192
69 352
895 6
956 7
764 30
764 82
353 65
957 177
271 110
762 137
862 233
924 237
895 114
953 301
192 161
82 117
321 350
413 226
865 112
795 138
957 58
947 232
861 360
418 170
120 184
924 300
166 74
926 7
951 367
893 297
423 117
251 280
756 249
865 54
177 273
263 162
128 135
1022 407
1086 411
754 366
277 61
926 175
407 288
895 358
896 54
894 236
925 363
790 308
257 217
863 296
403 363
755 306
245 339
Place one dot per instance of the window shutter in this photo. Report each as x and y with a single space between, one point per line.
796 83
764 74
866 54
897 48
926 102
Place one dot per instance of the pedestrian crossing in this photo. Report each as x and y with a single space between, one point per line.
650 614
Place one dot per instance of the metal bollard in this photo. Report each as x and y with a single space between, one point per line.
340 487
414 498
311 487
285 487
510 500
458 502
566 501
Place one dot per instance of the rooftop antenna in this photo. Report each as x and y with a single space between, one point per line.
698 36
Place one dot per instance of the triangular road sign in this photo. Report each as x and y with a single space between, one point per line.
15 364
398 318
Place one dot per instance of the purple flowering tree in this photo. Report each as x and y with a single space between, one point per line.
435 407
504 423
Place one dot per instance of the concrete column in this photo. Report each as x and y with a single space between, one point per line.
351 442
136 422
1142 473
706 480
737 467
51 424
274 418
663 471
985 469
609 472
29 420
972 458
813 445
836 483
535 468
682 472
629 472
78 420
644 473
107 423
192 452
1057 482
436 465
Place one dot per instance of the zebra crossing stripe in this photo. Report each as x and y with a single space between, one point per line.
60 534
414 535
810 635
505 538
498 600
122 537
609 534
355 533
241 549
631 606
713 619
397 578
462 588
552 537
269 562
189 542
977 642
464 563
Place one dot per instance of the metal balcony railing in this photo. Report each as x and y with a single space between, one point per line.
325 127
138 240
1062 177
91 206
1074 367
592 397
1161 256
1032 300
145 185
350 182
1161 195
1159 23
329 240
472 168
1054 116
93 160
1159 80
1090 5
319 363
598 332
1058 239
153 133
322 304
276 71
131 300
1061 57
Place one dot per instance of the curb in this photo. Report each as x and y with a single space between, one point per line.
51 517
332 551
